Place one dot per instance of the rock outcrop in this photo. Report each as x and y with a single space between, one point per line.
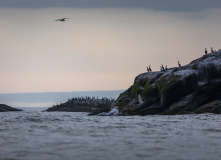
193 88
83 104
5 108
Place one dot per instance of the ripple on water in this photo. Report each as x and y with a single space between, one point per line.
212 130
58 135
34 120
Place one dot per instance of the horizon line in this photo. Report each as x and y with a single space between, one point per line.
63 91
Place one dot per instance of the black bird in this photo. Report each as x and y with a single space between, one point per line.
62 19
150 69
166 67
162 68
212 49
205 50
179 64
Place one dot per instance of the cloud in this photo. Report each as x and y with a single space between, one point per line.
157 5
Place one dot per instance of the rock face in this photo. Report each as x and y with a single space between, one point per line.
5 108
82 104
193 88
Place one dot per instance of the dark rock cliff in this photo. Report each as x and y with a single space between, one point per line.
193 88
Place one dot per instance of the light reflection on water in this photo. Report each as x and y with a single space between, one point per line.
33 105
59 135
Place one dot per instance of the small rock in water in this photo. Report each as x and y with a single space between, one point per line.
6 108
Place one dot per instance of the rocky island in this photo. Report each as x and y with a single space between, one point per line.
193 88
82 104
6 108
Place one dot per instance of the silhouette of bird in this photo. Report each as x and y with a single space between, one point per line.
166 67
162 67
205 50
212 49
179 64
150 69
62 19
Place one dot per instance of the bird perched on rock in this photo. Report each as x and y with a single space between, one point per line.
205 50
162 68
150 70
212 49
62 19
179 64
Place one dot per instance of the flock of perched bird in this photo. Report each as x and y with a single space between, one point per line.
162 68
79 101
90 100
211 50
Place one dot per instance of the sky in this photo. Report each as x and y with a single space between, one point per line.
103 45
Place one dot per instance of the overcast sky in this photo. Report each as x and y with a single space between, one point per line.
158 5
103 45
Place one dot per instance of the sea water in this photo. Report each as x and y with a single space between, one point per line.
36 135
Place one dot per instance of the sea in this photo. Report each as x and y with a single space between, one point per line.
36 135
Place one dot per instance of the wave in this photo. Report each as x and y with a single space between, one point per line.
114 112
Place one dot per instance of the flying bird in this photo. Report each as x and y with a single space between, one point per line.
62 19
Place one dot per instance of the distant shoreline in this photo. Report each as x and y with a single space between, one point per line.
47 99
48 92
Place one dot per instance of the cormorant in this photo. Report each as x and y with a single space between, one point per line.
162 68
150 69
179 64
205 50
166 67
62 19
212 49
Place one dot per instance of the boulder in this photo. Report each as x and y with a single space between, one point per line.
212 107
152 110
174 86
191 102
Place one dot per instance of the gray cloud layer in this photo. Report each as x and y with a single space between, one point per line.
158 5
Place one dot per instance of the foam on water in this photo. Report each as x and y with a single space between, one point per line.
114 112
58 135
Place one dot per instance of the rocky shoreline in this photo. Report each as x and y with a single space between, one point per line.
6 108
193 88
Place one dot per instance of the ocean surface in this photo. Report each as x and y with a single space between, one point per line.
36 135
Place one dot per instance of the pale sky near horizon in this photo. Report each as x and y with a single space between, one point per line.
103 45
